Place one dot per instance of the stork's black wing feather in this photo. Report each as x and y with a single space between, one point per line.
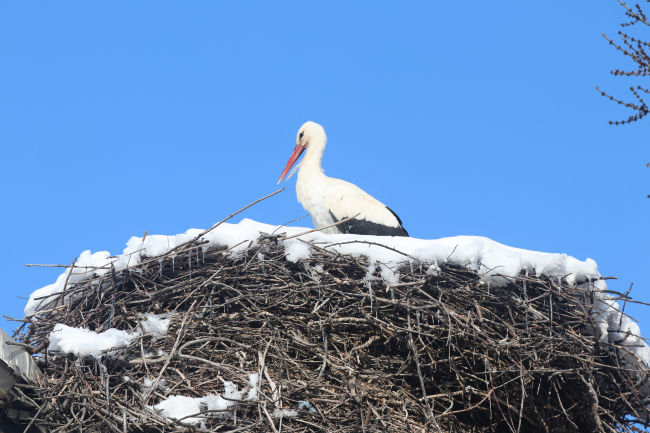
362 227
398 220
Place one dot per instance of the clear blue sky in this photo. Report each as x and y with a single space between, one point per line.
475 118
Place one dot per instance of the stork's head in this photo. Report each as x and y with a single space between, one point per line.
307 132
310 132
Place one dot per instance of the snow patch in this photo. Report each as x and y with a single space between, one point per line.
296 250
156 324
179 406
254 379
84 342
81 341
148 383
616 328
285 413
87 266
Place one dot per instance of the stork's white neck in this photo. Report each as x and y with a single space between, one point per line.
311 181
311 162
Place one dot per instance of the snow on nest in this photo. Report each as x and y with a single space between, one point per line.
156 324
80 341
483 255
179 406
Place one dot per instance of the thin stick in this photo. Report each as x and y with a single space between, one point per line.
432 417
325 350
322 228
634 13
59 266
172 354
292 221
523 396
269 418
371 243
65 285
204 232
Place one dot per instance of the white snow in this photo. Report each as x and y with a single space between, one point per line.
252 393
479 253
148 383
179 406
285 413
156 324
83 342
614 327
487 257
87 266
296 250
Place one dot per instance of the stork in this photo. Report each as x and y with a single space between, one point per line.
330 200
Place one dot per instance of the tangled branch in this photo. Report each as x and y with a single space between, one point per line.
636 50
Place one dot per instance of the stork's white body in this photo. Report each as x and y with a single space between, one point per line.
330 200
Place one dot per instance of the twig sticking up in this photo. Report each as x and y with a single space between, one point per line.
321 228
371 243
172 354
432 417
204 232
287 223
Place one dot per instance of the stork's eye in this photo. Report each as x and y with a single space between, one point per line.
301 134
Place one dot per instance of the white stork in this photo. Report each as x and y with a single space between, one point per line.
331 200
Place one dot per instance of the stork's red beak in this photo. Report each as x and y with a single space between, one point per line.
292 160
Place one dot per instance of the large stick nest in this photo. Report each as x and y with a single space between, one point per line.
443 352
